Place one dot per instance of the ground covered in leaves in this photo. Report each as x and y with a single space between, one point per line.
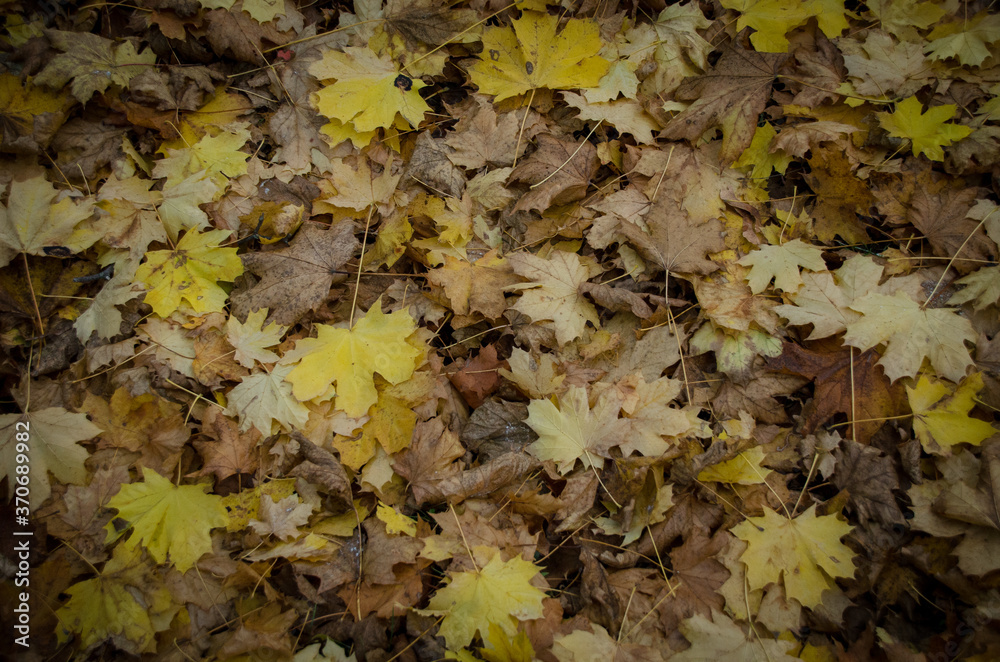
602 331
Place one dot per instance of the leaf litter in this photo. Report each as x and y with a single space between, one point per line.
481 332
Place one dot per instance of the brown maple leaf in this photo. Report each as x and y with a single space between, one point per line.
674 241
559 171
868 477
731 96
874 397
840 196
942 219
297 278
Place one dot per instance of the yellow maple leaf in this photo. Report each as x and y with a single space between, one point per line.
252 338
782 263
968 39
106 606
264 11
351 357
573 431
51 436
92 63
369 91
941 415
722 640
191 272
168 519
982 288
218 155
395 522
500 593
28 112
771 19
35 217
744 469
504 649
928 132
806 550
554 293
263 398
911 333
532 54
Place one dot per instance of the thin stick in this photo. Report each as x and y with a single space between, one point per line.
361 262
520 131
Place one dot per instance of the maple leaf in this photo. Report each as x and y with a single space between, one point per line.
904 17
475 287
33 219
168 519
625 115
51 436
911 333
219 156
265 397
554 294
840 196
296 278
722 640
758 156
29 115
782 263
770 19
941 415
108 606
394 521
252 338
730 97
870 398
880 66
191 272
806 550
928 132
744 469
351 357
281 518
369 91
92 63
499 593
826 298
583 646
559 170
573 431
944 220
968 39
533 54
982 288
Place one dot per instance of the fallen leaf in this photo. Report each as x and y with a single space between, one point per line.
928 132
559 171
297 278
729 97
941 414
911 333
351 357
52 435
499 593
171 521
554 294
191 272
805 552
574 431
369 90
533 53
